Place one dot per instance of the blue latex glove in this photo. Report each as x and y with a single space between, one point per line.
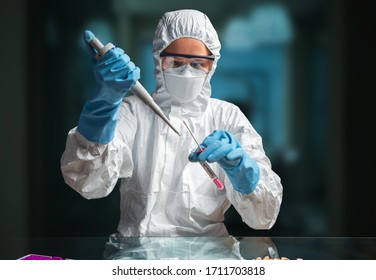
115 75
224 148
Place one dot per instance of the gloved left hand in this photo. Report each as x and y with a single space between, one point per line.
222 147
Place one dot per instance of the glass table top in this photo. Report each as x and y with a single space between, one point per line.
191 248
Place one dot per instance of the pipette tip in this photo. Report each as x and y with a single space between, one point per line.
173 128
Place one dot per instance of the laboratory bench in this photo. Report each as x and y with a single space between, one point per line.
204 248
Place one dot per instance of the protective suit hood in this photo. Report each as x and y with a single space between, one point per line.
184 24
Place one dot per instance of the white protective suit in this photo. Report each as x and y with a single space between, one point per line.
162 193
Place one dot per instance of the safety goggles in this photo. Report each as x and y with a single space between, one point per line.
174 60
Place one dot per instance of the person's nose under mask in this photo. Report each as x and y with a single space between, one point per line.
184 83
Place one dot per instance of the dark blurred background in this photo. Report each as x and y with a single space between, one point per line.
302 71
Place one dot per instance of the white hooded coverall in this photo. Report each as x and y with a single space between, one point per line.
162 193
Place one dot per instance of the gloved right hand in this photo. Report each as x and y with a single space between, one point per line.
115 75
114 72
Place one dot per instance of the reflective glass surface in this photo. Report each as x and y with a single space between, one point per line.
191 248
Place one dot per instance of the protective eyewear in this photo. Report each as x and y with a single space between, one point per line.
174 60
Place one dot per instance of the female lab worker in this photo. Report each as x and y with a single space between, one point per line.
164 190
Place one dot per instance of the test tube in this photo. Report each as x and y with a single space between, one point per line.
210 172
205 165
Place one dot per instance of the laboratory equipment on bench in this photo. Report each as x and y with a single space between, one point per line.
205 165
137 89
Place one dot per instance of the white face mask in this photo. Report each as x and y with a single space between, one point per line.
184 83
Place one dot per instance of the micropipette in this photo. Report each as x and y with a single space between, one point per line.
205 165
137 89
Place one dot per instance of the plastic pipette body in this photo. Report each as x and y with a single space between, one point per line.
137 89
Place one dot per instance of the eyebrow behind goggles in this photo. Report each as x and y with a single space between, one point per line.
174 60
